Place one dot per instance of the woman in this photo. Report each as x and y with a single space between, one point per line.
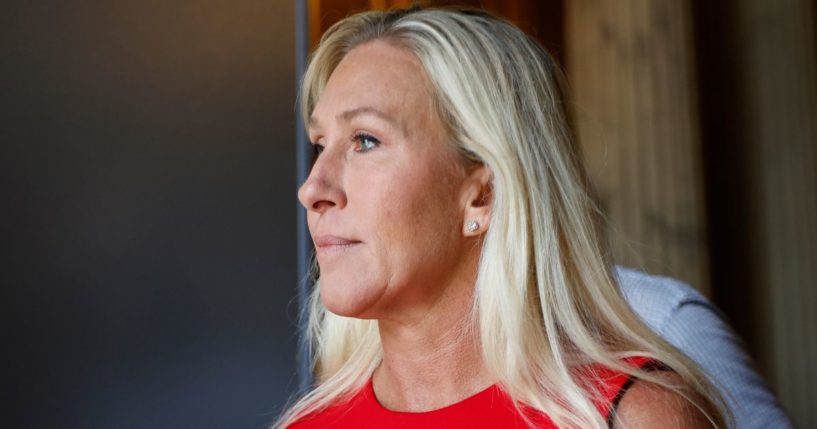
463 282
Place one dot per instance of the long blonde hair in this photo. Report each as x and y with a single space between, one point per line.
546 299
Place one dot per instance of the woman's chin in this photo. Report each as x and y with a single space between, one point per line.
346 301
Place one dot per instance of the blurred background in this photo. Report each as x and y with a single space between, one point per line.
153 245
149 210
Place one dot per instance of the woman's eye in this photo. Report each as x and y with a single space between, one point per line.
365 142
316 149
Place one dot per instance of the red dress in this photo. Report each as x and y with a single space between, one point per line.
490 408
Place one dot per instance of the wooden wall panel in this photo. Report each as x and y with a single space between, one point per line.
778 57
632 73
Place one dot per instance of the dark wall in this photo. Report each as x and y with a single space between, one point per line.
731 191
148 217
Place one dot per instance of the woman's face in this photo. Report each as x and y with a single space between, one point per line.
386 196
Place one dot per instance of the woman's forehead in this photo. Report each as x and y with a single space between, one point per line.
376 76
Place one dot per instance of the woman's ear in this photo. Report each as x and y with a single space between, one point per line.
478 201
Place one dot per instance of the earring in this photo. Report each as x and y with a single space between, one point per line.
471 225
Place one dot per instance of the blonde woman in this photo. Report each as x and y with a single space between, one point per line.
463 282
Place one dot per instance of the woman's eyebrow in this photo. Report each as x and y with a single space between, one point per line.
350 114
373 111
365 110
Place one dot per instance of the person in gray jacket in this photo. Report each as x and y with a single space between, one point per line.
687 320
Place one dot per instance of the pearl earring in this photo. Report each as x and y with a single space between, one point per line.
471 225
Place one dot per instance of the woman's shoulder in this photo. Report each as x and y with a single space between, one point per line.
650 405
631 402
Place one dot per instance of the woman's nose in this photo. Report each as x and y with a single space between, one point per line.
322 190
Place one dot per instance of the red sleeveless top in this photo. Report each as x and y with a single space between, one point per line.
490 408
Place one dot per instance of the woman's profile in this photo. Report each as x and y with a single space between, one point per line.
463 279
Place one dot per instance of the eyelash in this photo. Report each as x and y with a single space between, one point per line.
359 137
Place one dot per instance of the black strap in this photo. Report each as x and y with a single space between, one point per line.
649 366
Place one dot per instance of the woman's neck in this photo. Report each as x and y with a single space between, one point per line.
432 362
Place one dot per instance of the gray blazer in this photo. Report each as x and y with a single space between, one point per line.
687 320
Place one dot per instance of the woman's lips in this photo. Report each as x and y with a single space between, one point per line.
329 243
